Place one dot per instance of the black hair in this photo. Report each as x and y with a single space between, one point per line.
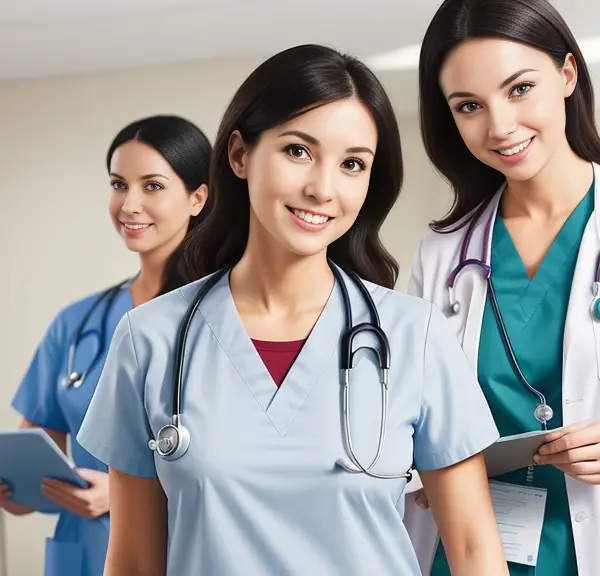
535 23
188 151
283 87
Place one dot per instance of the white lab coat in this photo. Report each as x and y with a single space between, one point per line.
437 256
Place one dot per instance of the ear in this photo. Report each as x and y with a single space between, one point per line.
569 74
238 155
198 199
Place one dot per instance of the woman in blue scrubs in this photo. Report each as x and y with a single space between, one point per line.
307 164
508 118
158 170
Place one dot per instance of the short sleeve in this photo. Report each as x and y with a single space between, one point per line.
36 398
115 429
455 421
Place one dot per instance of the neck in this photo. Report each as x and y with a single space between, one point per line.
271 281
556 190
149 281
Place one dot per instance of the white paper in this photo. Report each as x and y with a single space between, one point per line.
519 513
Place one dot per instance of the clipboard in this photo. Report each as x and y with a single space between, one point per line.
512 453
27 456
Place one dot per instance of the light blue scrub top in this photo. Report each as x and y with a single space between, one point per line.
535 313
258 491
79 544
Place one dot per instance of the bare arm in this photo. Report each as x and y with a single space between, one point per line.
61 440
137 543
460 500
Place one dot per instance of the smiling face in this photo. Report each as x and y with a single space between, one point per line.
150 206
508 102
308 178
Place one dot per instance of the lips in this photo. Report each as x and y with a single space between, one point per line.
310 217
514 149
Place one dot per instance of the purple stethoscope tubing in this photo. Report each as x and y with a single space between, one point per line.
543 412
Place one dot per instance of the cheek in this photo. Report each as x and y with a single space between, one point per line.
353 198
275 181
115 204
546 116
167 209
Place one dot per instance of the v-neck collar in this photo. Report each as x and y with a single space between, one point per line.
279 404
507 261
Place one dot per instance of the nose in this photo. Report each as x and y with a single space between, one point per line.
502 120
132 204
321 185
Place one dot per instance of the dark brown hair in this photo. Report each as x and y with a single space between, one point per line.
289 84
535 23
187 150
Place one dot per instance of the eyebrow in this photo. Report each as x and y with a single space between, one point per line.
146 177
312 140
504 84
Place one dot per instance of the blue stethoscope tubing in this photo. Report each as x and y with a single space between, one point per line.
74 379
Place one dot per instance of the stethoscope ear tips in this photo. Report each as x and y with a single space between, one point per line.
455 307
73 381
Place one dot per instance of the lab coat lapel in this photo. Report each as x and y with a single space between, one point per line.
581 395
581 390
471 286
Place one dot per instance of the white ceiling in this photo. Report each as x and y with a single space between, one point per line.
55 37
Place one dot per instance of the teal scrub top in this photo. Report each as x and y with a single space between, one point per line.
534 312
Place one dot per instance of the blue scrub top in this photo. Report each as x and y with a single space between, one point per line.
258 491
79 544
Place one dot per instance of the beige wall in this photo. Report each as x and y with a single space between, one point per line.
56 239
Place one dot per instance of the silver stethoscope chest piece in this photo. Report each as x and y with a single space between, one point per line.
543 413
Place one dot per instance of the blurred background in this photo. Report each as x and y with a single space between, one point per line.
73 73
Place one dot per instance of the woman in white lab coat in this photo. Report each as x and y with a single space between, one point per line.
508 119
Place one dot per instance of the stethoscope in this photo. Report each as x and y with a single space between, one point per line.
173 440
74 379
543 412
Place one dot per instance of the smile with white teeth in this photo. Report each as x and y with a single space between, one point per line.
309 217
135 226
515 149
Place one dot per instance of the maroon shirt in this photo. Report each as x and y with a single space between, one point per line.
278 357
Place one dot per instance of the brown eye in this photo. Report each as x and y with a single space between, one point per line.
468 107
297 151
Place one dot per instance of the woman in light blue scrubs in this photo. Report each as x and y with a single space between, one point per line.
508 119
158 170
307 164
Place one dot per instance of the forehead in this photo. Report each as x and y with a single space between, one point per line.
344 123
481 65
135 158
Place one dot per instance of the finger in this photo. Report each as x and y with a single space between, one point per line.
66 488
580 468
560 432
584 454
593 479
583 437
90 476
67 501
